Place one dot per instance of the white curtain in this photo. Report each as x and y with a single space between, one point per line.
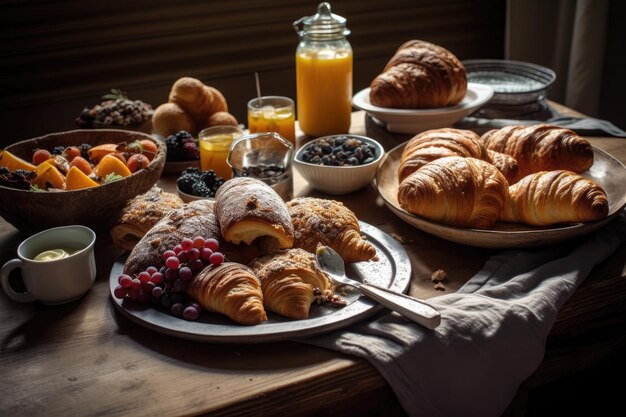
568 36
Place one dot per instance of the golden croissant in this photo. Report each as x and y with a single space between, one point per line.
456 191
551 197
250 211
231 289
541 147
420 75
433 144
330 223
290 280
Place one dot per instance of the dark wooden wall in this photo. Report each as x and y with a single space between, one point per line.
60 56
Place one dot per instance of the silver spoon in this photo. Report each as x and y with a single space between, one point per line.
411 308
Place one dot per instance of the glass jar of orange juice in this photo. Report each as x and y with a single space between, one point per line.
323 73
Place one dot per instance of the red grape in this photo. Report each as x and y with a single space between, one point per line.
185 273
144 276
212 244
205 254
177 249
186 243
119 292
151 270
157 278
177 309
196 265
193 253
143 297
135 284
125 281
216 258
190 313
198 242
171 274
183 256
168 254
148 287
157 292
172 262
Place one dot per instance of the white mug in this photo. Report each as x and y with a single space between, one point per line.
65 268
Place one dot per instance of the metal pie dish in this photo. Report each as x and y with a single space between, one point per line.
514 82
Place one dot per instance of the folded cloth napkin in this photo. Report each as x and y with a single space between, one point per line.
587 126
492 334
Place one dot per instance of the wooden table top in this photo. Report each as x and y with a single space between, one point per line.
85 358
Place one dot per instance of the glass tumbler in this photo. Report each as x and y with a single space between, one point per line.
265 156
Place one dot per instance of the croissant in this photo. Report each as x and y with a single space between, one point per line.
551 197
433 144
191 220
456 191
420 75
140 214
248 210
231 289
330 223
290 280
541 147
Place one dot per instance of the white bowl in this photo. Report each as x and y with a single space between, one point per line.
188 198
339 179
414 121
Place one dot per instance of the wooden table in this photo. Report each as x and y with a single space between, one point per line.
84 358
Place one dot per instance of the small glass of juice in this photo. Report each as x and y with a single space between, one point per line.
214 145
273 114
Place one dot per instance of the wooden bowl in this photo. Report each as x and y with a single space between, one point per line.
97 207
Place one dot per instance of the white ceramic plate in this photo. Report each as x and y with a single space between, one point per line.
415 121
392 270
607 171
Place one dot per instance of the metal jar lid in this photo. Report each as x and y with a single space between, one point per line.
323 25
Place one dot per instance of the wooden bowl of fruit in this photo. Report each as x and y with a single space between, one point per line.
76 177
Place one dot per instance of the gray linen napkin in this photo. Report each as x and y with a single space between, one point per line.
587 126
492 335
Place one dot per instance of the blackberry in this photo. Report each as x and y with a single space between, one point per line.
193 171
183 137
174 152
208 177
185 182
200 189
84 150
58 150
3 171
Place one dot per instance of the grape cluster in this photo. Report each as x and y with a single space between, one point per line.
199 183
166 286
339 151
182 146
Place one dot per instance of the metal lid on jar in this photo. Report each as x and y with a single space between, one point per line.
323 25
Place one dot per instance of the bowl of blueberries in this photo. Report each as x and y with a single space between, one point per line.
339 164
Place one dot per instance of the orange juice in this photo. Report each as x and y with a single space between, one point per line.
273 114
324 88
214 146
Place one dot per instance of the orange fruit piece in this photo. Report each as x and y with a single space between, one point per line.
110 164
77 180
96 153
82 164
13 162
48 177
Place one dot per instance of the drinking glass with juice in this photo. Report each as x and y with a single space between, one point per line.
273 114
214 146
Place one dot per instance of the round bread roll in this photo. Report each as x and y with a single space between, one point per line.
170 118
222 118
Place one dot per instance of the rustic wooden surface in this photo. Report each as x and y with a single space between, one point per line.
84 358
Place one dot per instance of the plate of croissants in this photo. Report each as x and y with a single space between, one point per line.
269 286
514 187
